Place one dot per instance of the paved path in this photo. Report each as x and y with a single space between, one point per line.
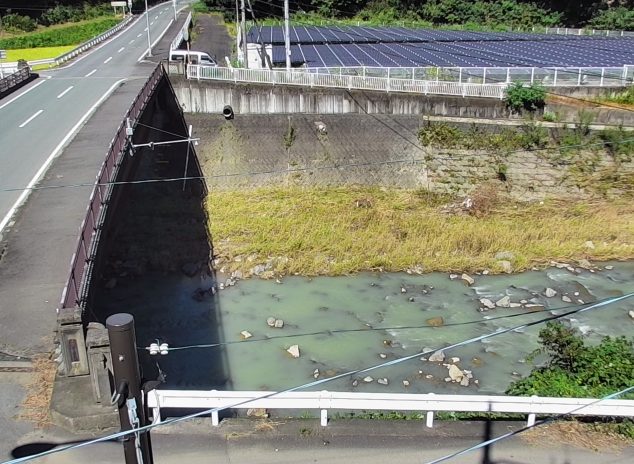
343 441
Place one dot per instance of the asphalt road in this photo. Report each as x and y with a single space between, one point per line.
38 121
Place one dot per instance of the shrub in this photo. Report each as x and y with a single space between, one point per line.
576 369
18 23
520 97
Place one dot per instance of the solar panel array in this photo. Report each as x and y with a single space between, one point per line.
338 46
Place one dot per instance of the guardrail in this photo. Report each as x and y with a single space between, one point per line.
74 293
181 34
91 43
13 79
77 50
429 403
548 77
312 79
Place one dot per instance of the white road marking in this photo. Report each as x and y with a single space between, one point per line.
156 40
156 17
145 30
142 34
121 49
131 42
106 62
65 92
27 190
91 73
152 23
25 92
31 118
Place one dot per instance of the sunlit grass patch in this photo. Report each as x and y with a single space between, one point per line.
341 230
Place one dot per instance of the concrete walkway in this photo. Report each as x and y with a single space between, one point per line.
343 441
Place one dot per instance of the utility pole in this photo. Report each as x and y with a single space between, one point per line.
244 36
287 37
147 21
128 395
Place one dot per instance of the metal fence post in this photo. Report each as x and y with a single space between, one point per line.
128 394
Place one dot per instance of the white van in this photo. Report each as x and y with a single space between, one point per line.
191 57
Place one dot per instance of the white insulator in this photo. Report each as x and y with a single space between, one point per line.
154 348
164 348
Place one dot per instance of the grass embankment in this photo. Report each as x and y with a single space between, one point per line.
323 231
624 98
59 35
30 54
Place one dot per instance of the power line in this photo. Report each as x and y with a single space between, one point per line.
312 384
312 168
375 329
528 427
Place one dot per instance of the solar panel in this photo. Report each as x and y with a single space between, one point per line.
335 46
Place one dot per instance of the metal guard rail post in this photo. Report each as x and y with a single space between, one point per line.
428 403
81 261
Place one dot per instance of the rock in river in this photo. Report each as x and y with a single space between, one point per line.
294 351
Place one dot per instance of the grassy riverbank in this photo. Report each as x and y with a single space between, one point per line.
340 230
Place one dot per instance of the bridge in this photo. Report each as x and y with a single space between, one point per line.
77 112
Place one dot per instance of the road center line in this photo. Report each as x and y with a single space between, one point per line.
105 62
91 73
65 92
121 49
31 118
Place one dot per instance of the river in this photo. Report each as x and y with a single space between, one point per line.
342 324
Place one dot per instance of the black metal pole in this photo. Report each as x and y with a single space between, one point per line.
127 378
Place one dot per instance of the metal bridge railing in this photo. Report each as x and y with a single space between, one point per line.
429 403
315 79
178 40
75 290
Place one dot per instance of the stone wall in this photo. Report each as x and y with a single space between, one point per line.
258 150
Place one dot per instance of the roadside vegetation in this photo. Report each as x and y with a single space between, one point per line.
577 369
30 54
60 35
341 230
625 97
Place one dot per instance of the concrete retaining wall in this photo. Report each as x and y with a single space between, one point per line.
258 150
212 96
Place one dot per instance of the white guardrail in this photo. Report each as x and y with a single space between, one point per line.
13 66
312 79
181 33
325 401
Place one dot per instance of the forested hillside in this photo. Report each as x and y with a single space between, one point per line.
601 14
612 14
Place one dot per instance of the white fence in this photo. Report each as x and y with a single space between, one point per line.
314 79
548 77
429 403
181 33
573 31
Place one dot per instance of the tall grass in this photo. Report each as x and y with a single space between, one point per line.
57 36
323 231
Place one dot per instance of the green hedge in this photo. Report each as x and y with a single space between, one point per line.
57 37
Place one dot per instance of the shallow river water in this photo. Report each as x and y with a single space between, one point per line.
346 323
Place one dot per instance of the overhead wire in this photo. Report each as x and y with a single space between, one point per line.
311 384
304 169
371 329
487 443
